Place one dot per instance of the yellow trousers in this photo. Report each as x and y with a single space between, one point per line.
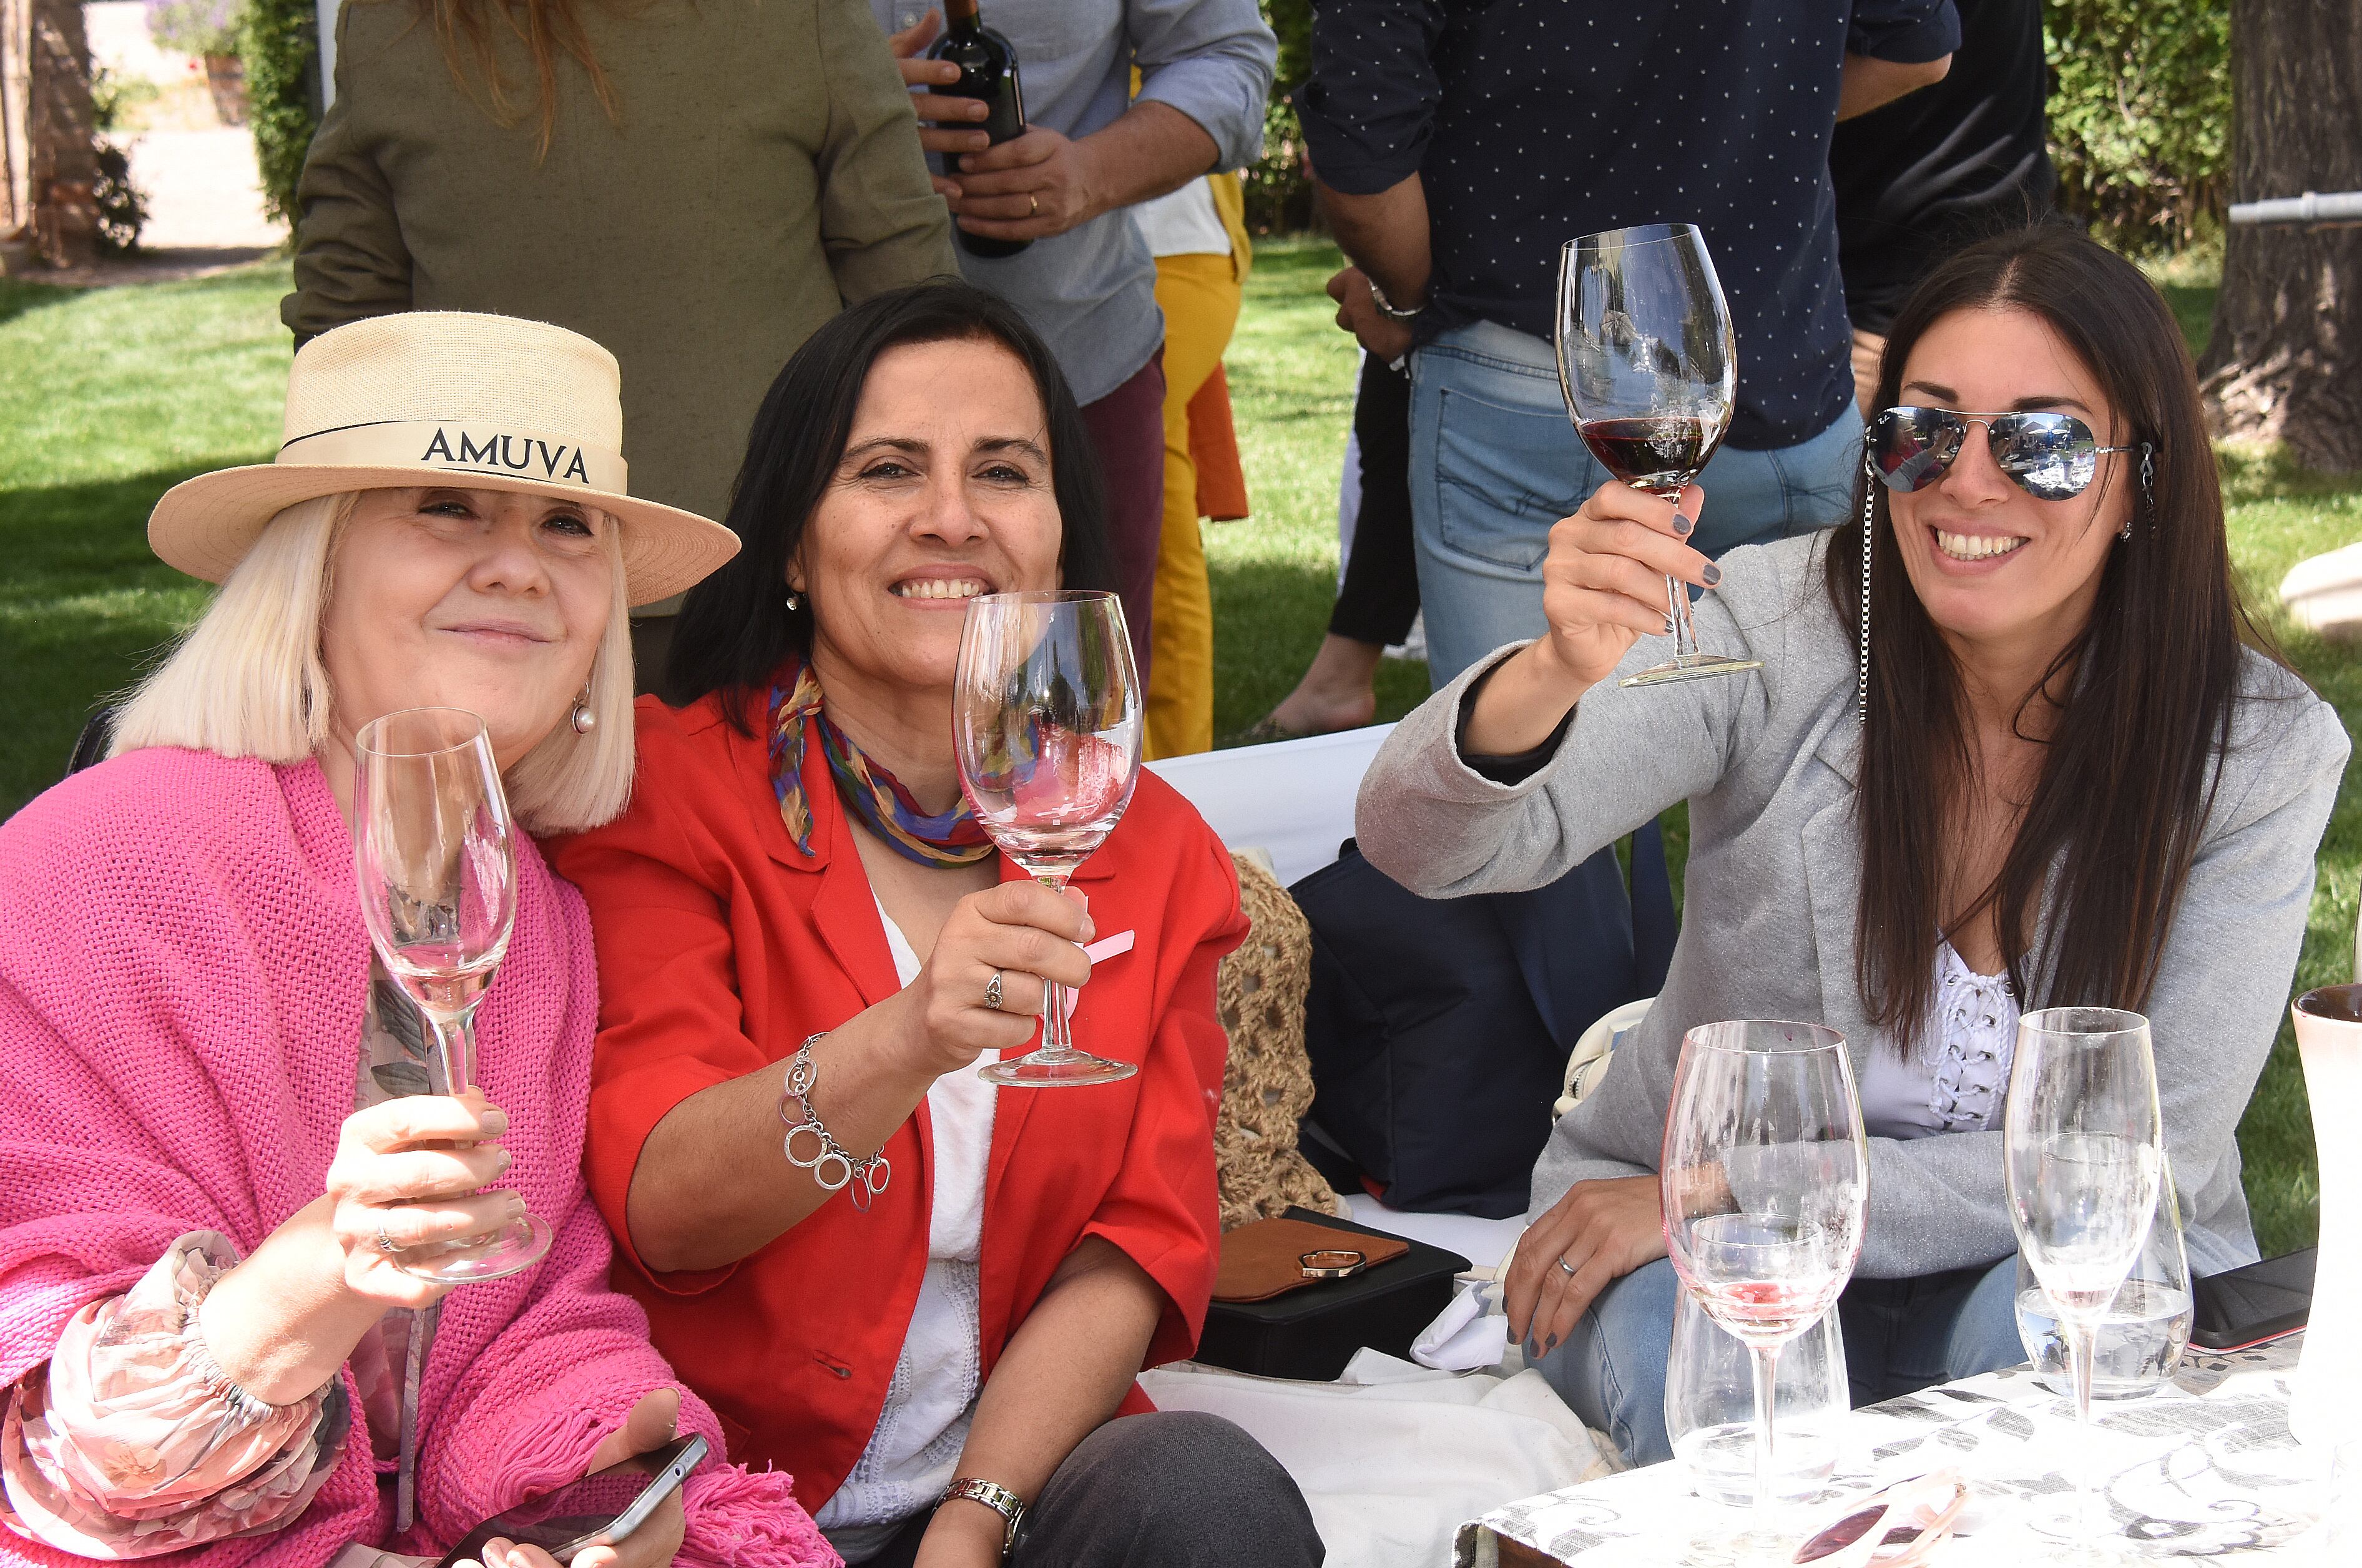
1199 296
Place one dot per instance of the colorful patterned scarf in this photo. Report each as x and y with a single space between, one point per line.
875 797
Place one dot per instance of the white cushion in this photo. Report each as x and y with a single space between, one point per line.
1293 800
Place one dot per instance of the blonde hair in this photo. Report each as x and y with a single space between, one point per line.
247 679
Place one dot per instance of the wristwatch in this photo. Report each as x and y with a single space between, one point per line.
996 1497
1387 308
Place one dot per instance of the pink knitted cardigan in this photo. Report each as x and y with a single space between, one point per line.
183 970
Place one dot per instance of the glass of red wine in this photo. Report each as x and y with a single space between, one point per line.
1647 363
1765 1175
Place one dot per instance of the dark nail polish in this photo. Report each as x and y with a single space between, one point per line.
1713 574
1550 1344
1683 526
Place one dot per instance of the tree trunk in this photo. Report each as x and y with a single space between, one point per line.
2285 359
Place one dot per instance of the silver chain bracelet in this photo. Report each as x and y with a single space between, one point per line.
831 1168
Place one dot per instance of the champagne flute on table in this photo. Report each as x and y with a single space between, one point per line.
1046 719
2082 1142
435 856
1648 365
1766 1184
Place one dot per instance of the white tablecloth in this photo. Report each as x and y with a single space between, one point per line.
2203 1468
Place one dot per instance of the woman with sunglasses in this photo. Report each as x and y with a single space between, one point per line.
2015 742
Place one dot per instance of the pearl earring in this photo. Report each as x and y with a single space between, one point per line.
582 718
794 602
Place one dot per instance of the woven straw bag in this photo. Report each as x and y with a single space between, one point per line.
1267 1086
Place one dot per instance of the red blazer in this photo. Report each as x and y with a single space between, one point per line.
722 947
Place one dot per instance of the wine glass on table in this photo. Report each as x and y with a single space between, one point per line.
1647 362
1766 1182
1046 719
2082 1144
435 855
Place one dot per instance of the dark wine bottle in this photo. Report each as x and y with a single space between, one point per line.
988 70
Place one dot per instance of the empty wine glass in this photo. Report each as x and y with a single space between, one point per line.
2082 1146
1647 362
1046 721
2140 1339
1766 1184
434 858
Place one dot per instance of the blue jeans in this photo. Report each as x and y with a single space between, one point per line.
1495 461
1900 1334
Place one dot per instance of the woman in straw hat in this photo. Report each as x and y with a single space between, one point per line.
220 1117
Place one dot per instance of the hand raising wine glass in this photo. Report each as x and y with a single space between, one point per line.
1046 721
1647 365
435 853
2082 1142
1766 1177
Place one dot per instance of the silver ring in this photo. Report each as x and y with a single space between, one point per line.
1564 1267
385 1242
992 991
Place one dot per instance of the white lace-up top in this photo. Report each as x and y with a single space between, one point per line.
1958 1082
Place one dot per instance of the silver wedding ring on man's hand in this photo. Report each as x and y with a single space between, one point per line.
1565 1267
992 993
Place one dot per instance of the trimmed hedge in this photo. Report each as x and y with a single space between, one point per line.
280 42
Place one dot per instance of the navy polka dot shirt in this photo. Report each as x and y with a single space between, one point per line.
1533 121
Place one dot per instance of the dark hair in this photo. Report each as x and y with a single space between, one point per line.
2149 686
734 628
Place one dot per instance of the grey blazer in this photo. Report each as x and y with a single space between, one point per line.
1768 764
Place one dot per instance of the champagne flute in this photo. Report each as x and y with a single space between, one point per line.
1648 366
1046 721
1766 1179
435 856
2082 1142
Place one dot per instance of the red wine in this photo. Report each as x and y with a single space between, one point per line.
1658 453
988 70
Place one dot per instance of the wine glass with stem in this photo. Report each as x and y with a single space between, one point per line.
1766 1184
2083 1148
434 858
1046 721
1649 367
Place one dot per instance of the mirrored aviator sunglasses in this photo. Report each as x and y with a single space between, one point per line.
2051 457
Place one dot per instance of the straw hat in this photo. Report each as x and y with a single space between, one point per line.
444 398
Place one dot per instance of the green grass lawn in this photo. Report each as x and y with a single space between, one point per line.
108 397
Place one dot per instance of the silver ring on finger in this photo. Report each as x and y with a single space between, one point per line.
1565 1267
992 993
385 1242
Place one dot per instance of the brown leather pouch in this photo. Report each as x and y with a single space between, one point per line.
1266 1258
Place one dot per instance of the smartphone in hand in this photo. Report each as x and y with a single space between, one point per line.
598 1510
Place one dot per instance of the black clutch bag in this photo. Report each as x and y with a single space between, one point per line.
1311 1333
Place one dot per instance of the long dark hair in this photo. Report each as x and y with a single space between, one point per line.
2140 703
734 628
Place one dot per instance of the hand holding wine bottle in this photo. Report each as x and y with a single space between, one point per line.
973 89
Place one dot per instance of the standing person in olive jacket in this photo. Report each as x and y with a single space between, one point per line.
696 184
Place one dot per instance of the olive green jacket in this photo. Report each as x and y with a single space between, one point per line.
763 170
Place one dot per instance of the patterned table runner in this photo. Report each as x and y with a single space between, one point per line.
2203 1468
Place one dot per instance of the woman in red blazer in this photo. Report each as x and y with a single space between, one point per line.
938 1348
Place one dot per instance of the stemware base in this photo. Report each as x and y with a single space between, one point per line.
1044 1069
2072 1531
1691 667
496 1255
